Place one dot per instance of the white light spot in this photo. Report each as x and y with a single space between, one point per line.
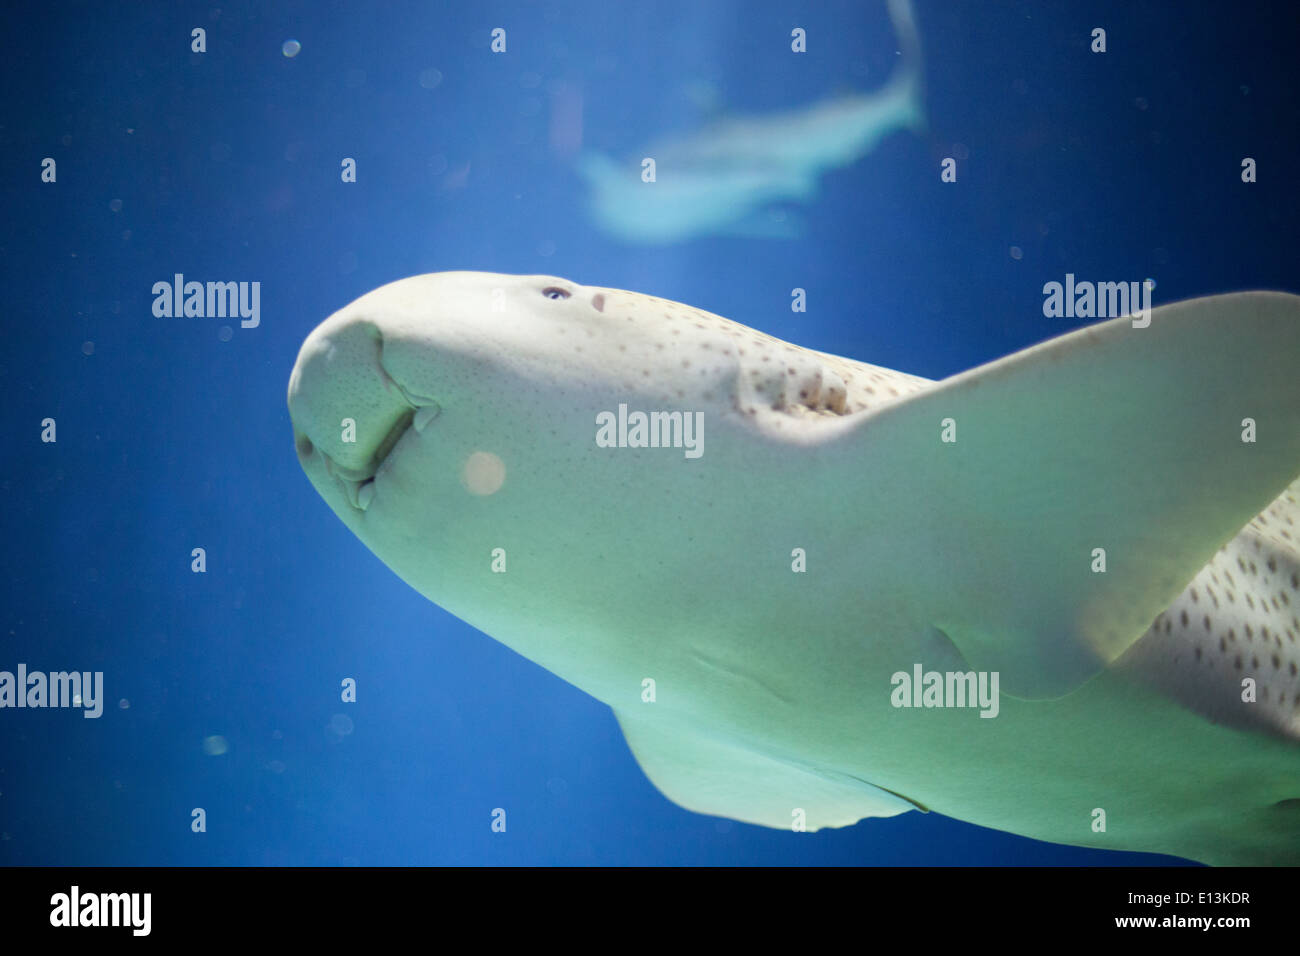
484 473
215 745
1017 252
430 78
88 348
291 48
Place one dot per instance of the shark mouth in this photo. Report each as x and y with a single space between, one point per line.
359 484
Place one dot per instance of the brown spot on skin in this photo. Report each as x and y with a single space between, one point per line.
1198 653
1237 662
1277 662
1223 648
1250 635
1194 597
1207 622
1184 618
1272 565
1254 663
1292 668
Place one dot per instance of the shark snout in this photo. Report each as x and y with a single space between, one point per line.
346 407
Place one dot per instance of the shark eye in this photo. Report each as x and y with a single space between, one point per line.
555 292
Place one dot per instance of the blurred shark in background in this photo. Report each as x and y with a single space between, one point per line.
720 180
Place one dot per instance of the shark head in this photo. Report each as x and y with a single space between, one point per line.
526 350
538 357
390 362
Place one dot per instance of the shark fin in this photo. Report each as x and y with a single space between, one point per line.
1063 496
706 774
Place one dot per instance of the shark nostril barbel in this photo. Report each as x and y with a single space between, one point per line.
366 494
424 415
